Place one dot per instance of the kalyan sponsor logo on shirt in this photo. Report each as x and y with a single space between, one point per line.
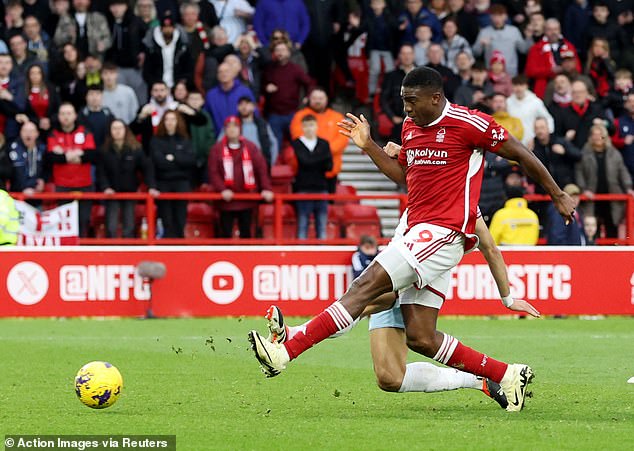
426 156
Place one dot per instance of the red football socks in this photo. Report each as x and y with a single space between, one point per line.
331 320
455 354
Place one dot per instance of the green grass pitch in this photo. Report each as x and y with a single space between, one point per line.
195 378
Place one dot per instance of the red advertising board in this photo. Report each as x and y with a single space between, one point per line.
303 280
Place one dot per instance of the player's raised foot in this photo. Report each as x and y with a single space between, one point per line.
494 391
514 384
278 330
271 356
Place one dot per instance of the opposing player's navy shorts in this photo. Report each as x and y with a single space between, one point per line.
388 318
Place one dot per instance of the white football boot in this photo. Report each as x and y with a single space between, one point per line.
278 330
272 356
514 383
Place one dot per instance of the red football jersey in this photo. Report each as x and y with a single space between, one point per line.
444 163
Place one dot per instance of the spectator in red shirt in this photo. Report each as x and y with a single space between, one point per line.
545 57
236 165
282 81
42 100
70 155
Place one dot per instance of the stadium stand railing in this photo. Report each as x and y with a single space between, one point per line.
347 218
629 215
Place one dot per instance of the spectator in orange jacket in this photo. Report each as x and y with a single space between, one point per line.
327 119
545 57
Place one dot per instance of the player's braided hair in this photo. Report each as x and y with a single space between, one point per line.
424 77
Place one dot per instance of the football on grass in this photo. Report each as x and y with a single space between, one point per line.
98 384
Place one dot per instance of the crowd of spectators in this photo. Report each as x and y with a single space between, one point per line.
180 95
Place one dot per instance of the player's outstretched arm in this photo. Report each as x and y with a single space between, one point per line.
392 150
514 150
358 129
494 258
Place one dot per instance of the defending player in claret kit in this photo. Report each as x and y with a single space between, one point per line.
441 163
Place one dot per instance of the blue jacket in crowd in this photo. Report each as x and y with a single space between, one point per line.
11 108
222 104
424 17
560 234
360 261
289 15
576 20
27 167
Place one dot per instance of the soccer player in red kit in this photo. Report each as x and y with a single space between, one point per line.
441 162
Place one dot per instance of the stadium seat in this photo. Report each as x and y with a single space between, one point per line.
287 157
347 190
384 123
200 220
194 230
204 188
199 212
361 220
334 229
139 211
48 204
335 211
333 225
282 178
266 220
360 72
98 220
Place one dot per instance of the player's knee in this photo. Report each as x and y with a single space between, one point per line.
423 344
388 380
363 283
369 284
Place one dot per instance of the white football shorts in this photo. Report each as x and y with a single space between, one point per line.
419 262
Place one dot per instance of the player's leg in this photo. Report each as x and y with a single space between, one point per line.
389 351
382 303
389 357
433 262
395 268
373 282
392 270
422 337
279 331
